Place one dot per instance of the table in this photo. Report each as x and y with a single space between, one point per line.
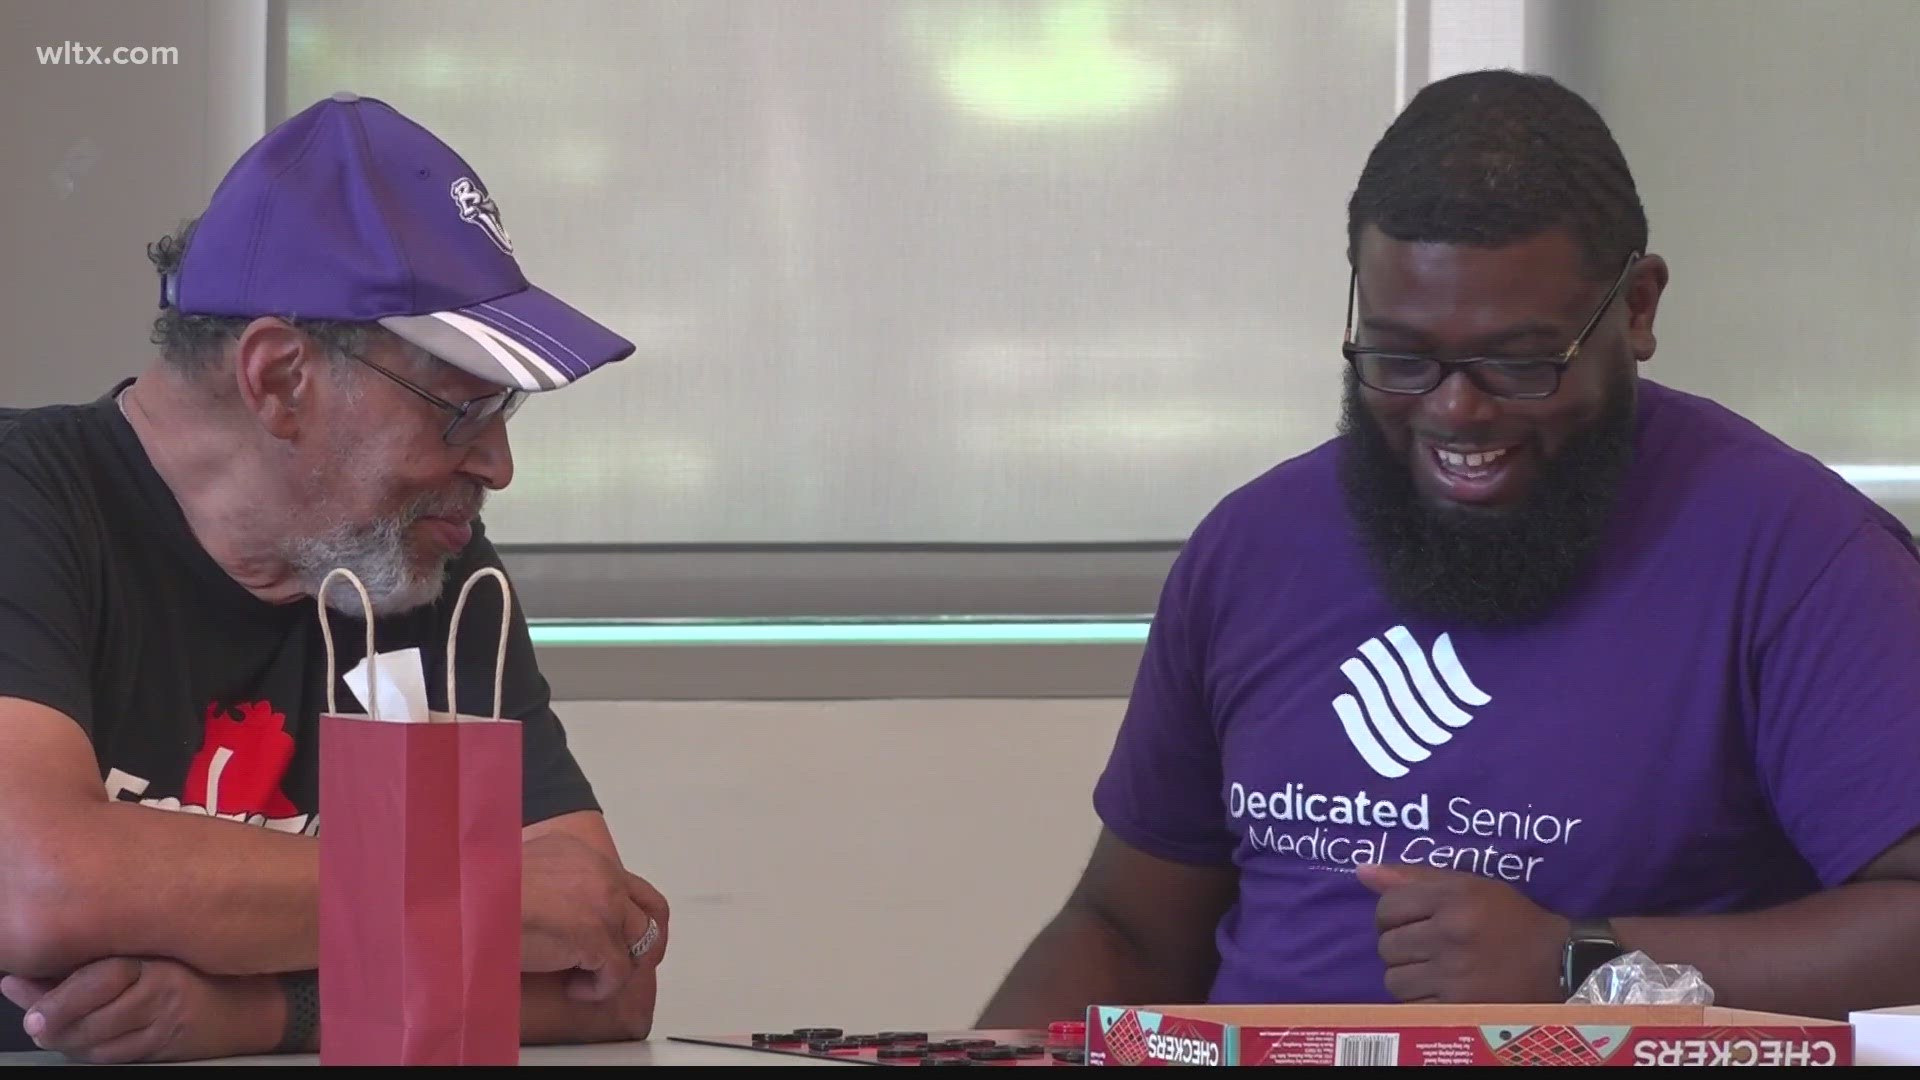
654 1051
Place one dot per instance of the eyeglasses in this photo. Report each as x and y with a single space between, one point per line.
469 417
1508 377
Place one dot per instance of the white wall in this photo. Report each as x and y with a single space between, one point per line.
1772 141
99 161
869 864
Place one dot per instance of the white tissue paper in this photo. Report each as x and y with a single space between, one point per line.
402 687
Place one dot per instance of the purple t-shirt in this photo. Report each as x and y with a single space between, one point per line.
1724 715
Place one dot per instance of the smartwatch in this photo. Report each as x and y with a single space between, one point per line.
1590 945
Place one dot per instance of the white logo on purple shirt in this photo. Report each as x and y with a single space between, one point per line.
1405 710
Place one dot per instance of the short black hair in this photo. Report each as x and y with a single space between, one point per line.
1497 156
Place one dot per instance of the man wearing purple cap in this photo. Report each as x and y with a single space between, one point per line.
344 334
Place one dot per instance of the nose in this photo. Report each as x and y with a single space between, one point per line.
490 457
1458 402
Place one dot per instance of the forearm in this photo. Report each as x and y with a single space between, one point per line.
120 879
1854 947
547 1014
1078 960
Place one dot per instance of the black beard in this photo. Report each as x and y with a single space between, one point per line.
1485 568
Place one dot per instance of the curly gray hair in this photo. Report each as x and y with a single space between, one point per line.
196 344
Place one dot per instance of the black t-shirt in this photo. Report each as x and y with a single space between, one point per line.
111 613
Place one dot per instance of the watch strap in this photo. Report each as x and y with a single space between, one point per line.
1594 930
301 1031
1590 943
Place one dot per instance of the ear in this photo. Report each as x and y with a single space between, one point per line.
1643 292
276 372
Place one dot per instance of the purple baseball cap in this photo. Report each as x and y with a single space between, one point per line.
351 211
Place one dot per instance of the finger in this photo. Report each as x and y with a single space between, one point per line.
641 930
131 1011
79 994
583 985
1413 982
610 963
1409 944
599 973
143 1043
1381 877
1406 905
650 947
654 904
69 1029
22 991
127 1020
650 899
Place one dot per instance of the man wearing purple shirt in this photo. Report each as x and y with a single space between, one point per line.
1538 662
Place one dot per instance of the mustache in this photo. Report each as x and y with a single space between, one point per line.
460 502
1484 569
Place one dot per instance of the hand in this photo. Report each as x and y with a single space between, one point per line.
581 912
1456 937
548 1013
121 1010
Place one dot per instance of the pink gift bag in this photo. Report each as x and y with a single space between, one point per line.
419 872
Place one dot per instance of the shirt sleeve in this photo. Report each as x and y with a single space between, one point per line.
553 782
1161 788
1837 722
44 599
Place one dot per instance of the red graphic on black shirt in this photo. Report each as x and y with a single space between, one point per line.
241 761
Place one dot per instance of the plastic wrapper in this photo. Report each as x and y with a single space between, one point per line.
1634 979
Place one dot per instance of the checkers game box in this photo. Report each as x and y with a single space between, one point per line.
1653 1035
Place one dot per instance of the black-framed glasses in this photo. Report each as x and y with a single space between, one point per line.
469 417
1525 377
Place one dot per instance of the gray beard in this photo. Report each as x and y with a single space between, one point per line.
377 555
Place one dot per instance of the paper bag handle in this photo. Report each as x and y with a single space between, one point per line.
326 631
453 635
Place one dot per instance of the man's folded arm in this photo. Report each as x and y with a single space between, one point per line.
1137 929
84 877
1853 947
549 1011
1836 738
548 1014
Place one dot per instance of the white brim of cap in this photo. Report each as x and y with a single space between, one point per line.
530 340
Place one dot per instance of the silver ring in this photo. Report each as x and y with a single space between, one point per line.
639 948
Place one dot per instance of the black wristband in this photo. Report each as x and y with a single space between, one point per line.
300 1033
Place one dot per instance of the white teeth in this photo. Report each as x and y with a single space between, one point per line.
1468 461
